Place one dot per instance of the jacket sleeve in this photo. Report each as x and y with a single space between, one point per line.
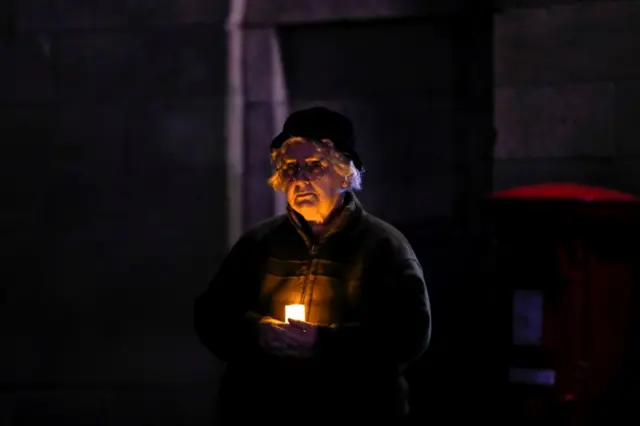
396 322
222 317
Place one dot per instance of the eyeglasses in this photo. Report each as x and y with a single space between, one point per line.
313 170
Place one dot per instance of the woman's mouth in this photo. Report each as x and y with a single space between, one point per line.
303 196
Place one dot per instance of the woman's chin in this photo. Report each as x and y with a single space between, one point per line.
308 211
305 205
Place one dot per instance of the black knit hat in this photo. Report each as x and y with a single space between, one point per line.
319 123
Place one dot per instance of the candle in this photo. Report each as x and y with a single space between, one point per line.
295 312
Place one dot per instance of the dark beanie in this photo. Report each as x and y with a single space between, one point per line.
319 123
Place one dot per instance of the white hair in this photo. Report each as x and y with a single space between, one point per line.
340 162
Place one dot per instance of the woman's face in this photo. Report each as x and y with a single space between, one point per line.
311 183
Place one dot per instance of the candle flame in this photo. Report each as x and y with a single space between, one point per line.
295 312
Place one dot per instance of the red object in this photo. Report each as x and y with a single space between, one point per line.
574 245
565 191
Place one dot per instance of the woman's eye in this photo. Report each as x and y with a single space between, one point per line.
288 169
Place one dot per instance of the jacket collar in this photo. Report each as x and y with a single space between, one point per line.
350 210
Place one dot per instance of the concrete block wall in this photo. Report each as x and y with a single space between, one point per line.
567 75
112 128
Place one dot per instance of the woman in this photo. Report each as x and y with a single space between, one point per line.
366 306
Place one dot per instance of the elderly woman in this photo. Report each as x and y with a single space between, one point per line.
366 309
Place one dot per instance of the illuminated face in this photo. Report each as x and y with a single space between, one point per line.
311 183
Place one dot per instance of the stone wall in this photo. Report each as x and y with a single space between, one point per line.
112 127
567 93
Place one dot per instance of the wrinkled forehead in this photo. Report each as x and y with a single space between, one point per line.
300 149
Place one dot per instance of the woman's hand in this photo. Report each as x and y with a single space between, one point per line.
272 336
301 338
295 339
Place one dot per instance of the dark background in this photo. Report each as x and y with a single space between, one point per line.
112 123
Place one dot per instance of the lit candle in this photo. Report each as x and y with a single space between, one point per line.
295 312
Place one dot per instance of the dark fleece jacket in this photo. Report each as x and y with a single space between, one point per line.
361 284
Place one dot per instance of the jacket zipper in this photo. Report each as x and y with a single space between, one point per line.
313 250
307 280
